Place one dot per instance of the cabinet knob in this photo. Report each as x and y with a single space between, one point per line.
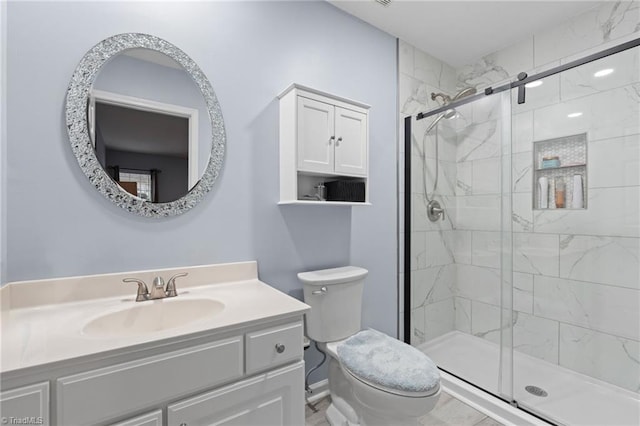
280 348
183 424
331 139
338 141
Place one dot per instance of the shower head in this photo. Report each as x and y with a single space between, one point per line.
446 99
450 113
467 91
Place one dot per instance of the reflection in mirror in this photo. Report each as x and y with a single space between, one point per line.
145 125
145 152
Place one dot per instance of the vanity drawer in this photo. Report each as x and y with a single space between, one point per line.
98 395
273 346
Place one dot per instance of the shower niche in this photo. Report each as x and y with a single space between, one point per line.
560 173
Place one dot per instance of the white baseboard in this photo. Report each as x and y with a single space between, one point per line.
318 391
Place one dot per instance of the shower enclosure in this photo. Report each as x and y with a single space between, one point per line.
525 279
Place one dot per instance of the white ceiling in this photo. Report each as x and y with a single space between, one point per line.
460 32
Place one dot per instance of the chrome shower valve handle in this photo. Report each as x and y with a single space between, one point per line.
435 211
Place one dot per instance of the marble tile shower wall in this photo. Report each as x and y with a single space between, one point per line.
432 262
576 273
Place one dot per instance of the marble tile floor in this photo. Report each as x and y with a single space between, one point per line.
448 412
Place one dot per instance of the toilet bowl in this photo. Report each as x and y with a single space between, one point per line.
374 379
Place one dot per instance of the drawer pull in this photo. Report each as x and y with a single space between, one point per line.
280 348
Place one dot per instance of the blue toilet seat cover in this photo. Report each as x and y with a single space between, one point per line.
388 362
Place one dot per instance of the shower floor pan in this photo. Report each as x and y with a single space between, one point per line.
572 398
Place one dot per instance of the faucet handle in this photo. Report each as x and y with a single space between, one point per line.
143 291
171 285
158 282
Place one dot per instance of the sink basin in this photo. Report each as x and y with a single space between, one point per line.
152 316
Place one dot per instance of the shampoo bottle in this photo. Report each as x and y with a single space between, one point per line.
543 193
578 200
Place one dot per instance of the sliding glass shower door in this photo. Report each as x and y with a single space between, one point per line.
576 270
523 243
460 267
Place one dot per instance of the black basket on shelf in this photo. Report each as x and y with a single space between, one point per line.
345 190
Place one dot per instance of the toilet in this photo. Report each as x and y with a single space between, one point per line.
374 379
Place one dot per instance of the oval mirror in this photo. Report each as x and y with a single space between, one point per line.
145 125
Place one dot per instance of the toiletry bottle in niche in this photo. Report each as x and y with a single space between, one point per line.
560 193
552 193
543 192
577 201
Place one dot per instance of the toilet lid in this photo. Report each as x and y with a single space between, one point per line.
388 363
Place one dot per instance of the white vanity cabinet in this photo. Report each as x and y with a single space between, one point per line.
272 398
159 364
135 385
323 137
25 405
150 419
250 376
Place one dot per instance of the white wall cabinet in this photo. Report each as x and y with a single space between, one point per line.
316 130
323 138
351 143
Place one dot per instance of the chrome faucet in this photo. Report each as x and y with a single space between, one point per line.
158 290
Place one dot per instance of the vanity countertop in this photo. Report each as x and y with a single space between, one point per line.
36 333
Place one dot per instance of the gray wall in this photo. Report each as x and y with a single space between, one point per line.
3 140
58 225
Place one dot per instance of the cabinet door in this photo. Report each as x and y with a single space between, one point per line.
29 404
270 399
150 419
315 136
134 386
351 142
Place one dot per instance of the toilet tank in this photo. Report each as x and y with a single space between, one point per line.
335 297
